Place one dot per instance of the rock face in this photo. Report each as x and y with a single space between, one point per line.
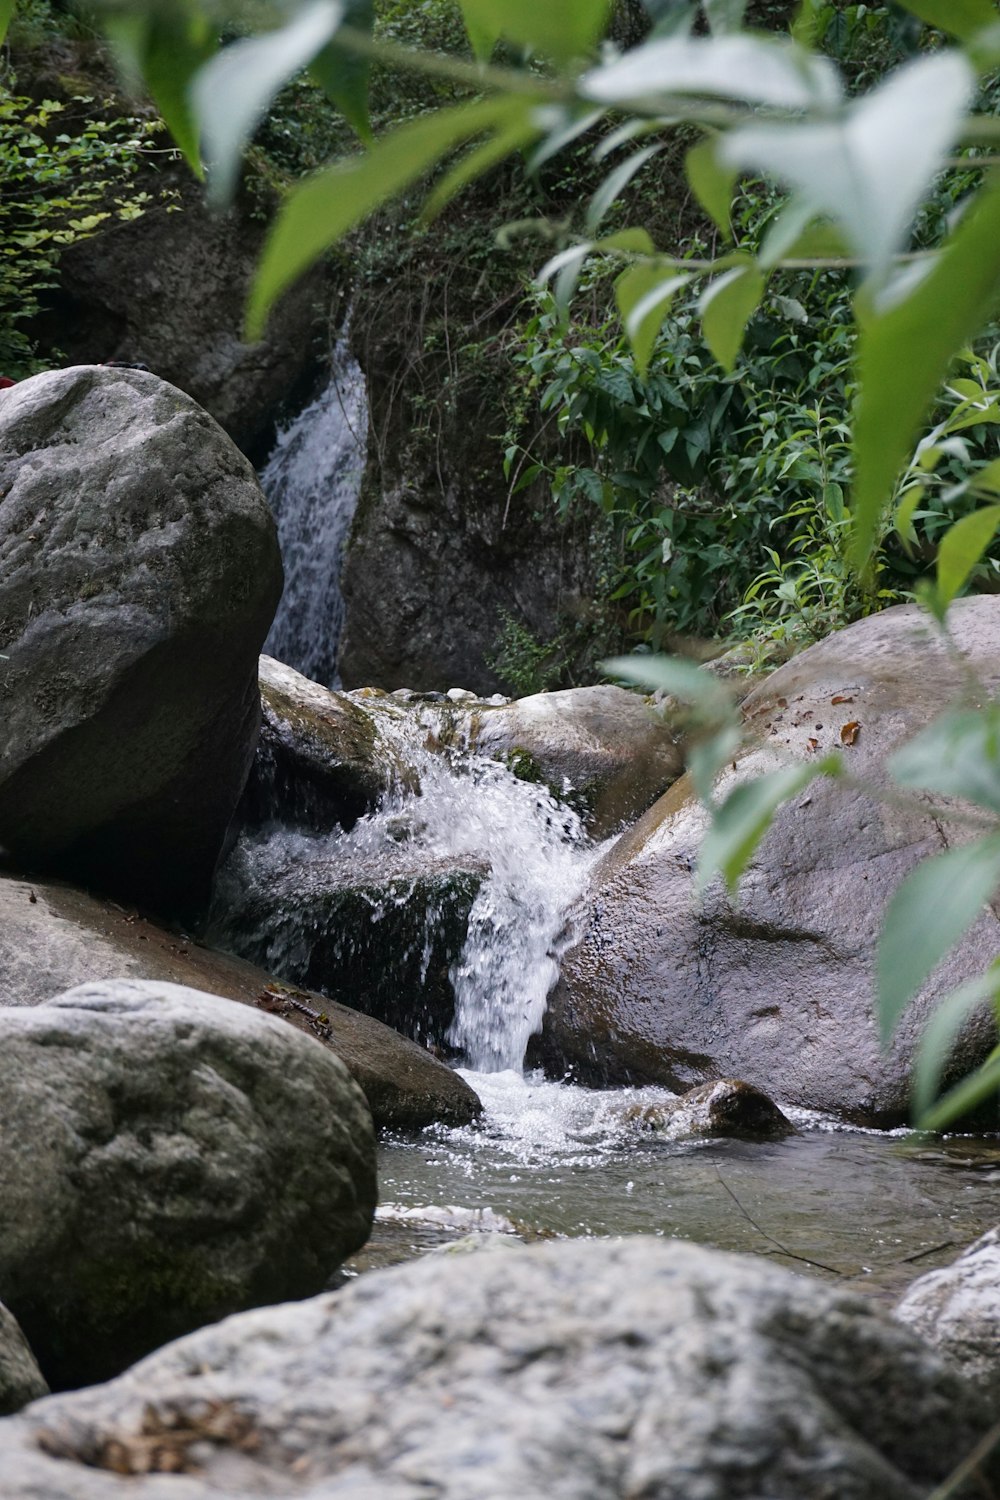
53 938
21 1380
167 1157
323 757
170 290
584 1371
957 1309
139 572
777 986
604 744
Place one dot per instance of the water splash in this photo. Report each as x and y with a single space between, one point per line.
530 858
312 480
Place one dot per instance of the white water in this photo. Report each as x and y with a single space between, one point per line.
470 813
312 480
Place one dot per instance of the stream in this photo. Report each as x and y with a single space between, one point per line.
869 1209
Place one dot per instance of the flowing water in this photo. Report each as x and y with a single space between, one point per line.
312 480
548 1158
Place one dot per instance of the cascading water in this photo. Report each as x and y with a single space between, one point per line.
312 480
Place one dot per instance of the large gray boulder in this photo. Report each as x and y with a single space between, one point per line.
139 572
957 1309
21 1380
577 1370
54 937
167 1157
776 987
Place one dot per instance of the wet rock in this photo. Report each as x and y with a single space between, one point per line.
957 1309
607 749
580 1370
53 937
21 1380
379 932
775 987
167 1158
323 757
725 1108
170 290
139 571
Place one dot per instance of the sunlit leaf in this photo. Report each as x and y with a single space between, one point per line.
870 170
961 18
903 356
958 755
6 12
320 210
711 182
933 907
232 93
561 129
562 29
742 819
483 33
725 306
343 75
644 293
757 69
941 1031
961 548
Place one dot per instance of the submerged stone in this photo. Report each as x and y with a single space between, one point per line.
725 1108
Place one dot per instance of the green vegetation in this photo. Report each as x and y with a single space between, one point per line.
791 415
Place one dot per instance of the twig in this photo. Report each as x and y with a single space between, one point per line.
791 1254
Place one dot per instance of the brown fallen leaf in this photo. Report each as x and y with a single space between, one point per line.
849 732
812 744
841 698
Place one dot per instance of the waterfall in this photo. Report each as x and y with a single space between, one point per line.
529 859
312 480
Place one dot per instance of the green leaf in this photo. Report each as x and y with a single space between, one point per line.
755 69
725 306
961 18
232 93
965 1096
644 293
987 478
343 75
562 29
940 1033
320 210
724 15
517 135
711 182
615 182
958 755
742 819
6 12
961 548
672 674
165 46
870 170
903 356
933 907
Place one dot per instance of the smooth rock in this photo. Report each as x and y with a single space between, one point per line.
139 572
166 1158
21 1380
776 987
725 1108
53 937
576 1370
606 747
957 1309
